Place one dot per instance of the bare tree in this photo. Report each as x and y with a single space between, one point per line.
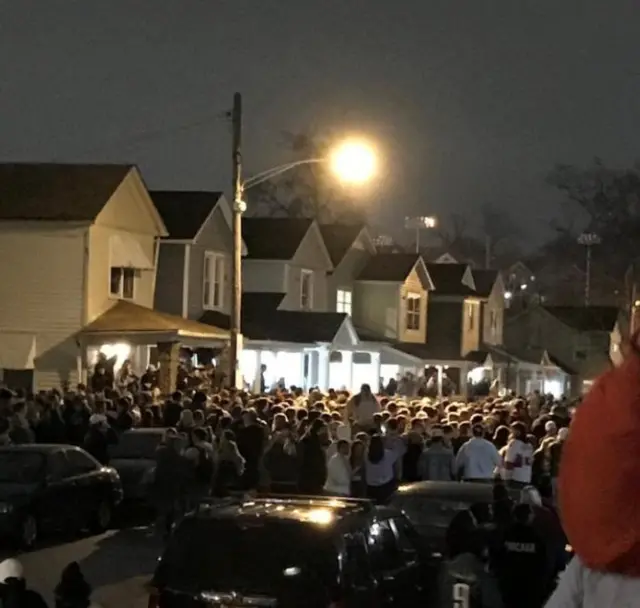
306 190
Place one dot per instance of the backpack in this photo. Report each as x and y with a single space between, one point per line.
204 468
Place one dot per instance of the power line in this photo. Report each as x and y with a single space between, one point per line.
152 134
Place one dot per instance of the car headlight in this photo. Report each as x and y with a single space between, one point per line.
5 508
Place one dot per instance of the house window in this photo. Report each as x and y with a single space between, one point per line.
213 281
343 303
413 310
122 283
470 316
306 289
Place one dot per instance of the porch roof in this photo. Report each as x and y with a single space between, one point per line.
128 320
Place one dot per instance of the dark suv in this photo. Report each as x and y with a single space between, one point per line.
290 552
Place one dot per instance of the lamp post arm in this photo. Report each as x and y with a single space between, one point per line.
264 176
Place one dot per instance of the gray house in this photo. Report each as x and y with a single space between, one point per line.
194 261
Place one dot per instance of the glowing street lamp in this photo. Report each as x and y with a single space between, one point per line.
353 161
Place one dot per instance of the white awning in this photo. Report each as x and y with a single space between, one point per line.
127 252
17 350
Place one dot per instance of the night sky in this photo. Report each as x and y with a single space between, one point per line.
470 100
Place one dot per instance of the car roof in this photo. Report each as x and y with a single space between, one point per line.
147 431
39 447
317 511
447 490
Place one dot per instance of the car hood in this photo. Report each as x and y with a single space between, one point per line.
132 470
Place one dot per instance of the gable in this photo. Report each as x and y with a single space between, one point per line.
312 252
446 258
131 209
467 278
346 336
215 233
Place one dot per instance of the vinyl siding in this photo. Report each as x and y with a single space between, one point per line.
412 285
311 255
376 306
42 271
470 338
169 279
264 276
215 237
343 277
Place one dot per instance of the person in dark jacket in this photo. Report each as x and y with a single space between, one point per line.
282 462
99 437
14 592
465 580
251 438
313 465
173 410
50 427
76 416
524 563
73 591
21 431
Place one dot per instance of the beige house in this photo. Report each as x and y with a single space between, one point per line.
79 247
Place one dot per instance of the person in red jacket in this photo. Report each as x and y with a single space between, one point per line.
599 487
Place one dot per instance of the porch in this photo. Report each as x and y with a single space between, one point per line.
129 331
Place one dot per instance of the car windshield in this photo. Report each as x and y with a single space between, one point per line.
21 467
136 445
262 557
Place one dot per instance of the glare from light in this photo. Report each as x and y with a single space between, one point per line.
508 295
292 571
637 303
523 286
120 351
476 375
354 161
319 516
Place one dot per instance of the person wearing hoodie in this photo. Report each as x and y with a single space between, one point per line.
465 581
99 437
14 592
339 471
313 464
282 462
73 591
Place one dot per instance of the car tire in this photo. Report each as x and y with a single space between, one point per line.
102 517
29 532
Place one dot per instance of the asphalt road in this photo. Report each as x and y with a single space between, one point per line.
116 564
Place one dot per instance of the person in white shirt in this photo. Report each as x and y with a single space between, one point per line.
339 471
361 409
518 457
477 459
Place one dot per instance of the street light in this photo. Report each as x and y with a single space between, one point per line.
588 240
421 222
353 161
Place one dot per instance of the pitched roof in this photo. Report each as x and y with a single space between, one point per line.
484 280
392 267
338 239
274 238
125 317
586 318
184 212
447 279
57 192
264 323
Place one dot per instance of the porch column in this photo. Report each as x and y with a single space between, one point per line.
377 366
464 372
518 376
323 368
168 358
440 371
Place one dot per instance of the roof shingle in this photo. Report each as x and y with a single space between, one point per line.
338 239
447 279
586 318
484 280
273 238
184 212
56 191
392 267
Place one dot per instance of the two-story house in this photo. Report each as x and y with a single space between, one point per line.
79 247
579 339
390 309
292 331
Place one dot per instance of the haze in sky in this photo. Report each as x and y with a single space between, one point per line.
470 100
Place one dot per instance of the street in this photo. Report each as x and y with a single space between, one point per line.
116 564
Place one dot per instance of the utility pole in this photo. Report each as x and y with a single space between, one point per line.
487 252
588 240
239 207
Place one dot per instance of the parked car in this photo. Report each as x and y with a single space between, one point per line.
431 505
134 457
52 487
290 552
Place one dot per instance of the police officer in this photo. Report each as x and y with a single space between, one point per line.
465 580
523 562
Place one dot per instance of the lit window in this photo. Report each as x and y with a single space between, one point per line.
213 281
343 303
306 289
413 311
122 283
471 316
